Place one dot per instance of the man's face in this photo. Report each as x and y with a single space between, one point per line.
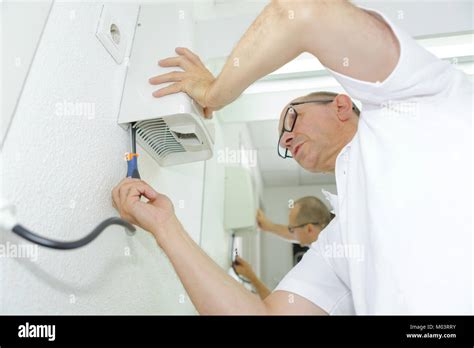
320 132
314 136
300 233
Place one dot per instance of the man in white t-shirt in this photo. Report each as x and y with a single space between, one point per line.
307 217
401 241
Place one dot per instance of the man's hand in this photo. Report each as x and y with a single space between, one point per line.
202 278
195 80
266 225
153 216
263 222
243 268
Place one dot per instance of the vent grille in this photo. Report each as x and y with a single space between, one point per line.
156 137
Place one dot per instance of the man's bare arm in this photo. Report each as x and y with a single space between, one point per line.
261 288
342 36
267 225
287 303
282 231
243 268
213 291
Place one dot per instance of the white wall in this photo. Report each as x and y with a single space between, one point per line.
59 171
276 253
18 42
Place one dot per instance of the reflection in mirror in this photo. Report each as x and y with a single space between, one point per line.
267 250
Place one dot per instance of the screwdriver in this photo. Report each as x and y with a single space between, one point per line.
132 157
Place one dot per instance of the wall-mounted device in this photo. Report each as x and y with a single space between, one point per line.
239 203
169 128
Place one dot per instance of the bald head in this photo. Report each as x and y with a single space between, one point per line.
323 95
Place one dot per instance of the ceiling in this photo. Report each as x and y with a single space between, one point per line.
275 170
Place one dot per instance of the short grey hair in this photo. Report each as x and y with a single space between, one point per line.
312 209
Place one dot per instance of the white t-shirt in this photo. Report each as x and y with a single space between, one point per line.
401 242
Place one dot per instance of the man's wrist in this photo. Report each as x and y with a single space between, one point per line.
212 97
163 231
252 277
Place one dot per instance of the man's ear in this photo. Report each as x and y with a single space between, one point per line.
344 107
313 229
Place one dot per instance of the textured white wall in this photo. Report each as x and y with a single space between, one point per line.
60 172
276 253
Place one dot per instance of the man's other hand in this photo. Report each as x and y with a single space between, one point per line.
154 215
243 268
195 79
263 222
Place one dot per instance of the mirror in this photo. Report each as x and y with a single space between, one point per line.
247 137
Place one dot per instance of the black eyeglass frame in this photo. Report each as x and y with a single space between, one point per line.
283 129
291 229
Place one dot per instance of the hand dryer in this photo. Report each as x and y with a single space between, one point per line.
171 128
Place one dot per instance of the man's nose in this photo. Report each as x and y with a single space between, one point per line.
286 139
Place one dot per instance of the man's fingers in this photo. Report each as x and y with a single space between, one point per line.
183 51
123 194
170 62
180 61
116 194
149 192
133 190
119 190
174 88
174 76
114 198
208 112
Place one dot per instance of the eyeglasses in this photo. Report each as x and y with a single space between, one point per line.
289 122
291 229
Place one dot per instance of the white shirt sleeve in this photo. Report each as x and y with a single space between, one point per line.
417 74
315 279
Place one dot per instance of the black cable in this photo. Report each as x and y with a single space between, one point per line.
54 244
132 171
